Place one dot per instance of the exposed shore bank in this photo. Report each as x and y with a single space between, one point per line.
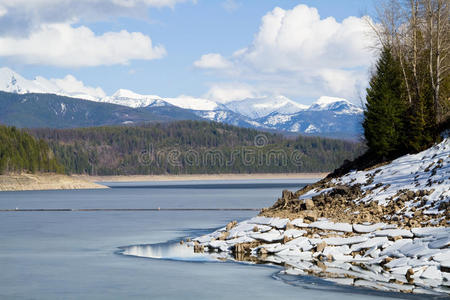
31 182
190 177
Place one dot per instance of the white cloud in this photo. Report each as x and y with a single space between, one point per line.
212 61
72 86
297 39
25 16
297 53
341 81
229 92
47 32
230 5
67 46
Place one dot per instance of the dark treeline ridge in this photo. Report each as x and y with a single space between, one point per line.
21 152
191 147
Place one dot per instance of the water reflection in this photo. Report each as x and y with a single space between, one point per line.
335 276
172 251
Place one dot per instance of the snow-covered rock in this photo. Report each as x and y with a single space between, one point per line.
337 241
327 225
394 233
361 228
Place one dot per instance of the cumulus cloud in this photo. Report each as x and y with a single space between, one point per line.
20 17
298 39
67 46
229 92
72 86
212 61
48 32
301 54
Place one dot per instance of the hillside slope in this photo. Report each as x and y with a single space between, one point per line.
20 152
413 191
192 147
49 110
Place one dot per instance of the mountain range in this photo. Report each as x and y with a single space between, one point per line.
67 103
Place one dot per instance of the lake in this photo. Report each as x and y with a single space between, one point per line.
75 254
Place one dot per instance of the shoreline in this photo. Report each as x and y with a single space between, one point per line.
385 228
193 177
44 181
51 181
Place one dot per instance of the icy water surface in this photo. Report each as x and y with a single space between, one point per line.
77 254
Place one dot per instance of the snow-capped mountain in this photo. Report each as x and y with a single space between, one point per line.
327 116
13 82
316 122
131 99
337 105
261 107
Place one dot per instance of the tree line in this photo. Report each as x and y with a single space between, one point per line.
408 99
20 152
191 147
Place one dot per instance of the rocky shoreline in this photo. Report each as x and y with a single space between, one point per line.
32 182
385 228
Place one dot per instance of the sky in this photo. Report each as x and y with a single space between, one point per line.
222 50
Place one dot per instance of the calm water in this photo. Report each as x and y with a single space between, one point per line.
74 255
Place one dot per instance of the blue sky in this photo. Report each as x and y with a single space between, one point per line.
185 31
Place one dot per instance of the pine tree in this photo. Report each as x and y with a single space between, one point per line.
385 109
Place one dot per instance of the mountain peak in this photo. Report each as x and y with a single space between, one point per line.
12 82
326 101
338 105
261 107
188 102
7 71
124 93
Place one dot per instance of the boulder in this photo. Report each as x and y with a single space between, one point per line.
321 246
310 215
309 204
231 225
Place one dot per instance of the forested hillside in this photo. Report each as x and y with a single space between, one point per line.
191 147
408 99
20 152
48 110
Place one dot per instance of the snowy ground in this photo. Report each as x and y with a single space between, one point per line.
407 251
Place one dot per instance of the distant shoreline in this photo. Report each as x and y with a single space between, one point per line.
45 181
50 181
192 177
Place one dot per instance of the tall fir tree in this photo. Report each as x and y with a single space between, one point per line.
385 108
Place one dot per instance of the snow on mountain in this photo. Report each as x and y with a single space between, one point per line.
69 86
311 129
261 107
131 99
12 82
277 119
337 105
228 117
192 103
326 116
